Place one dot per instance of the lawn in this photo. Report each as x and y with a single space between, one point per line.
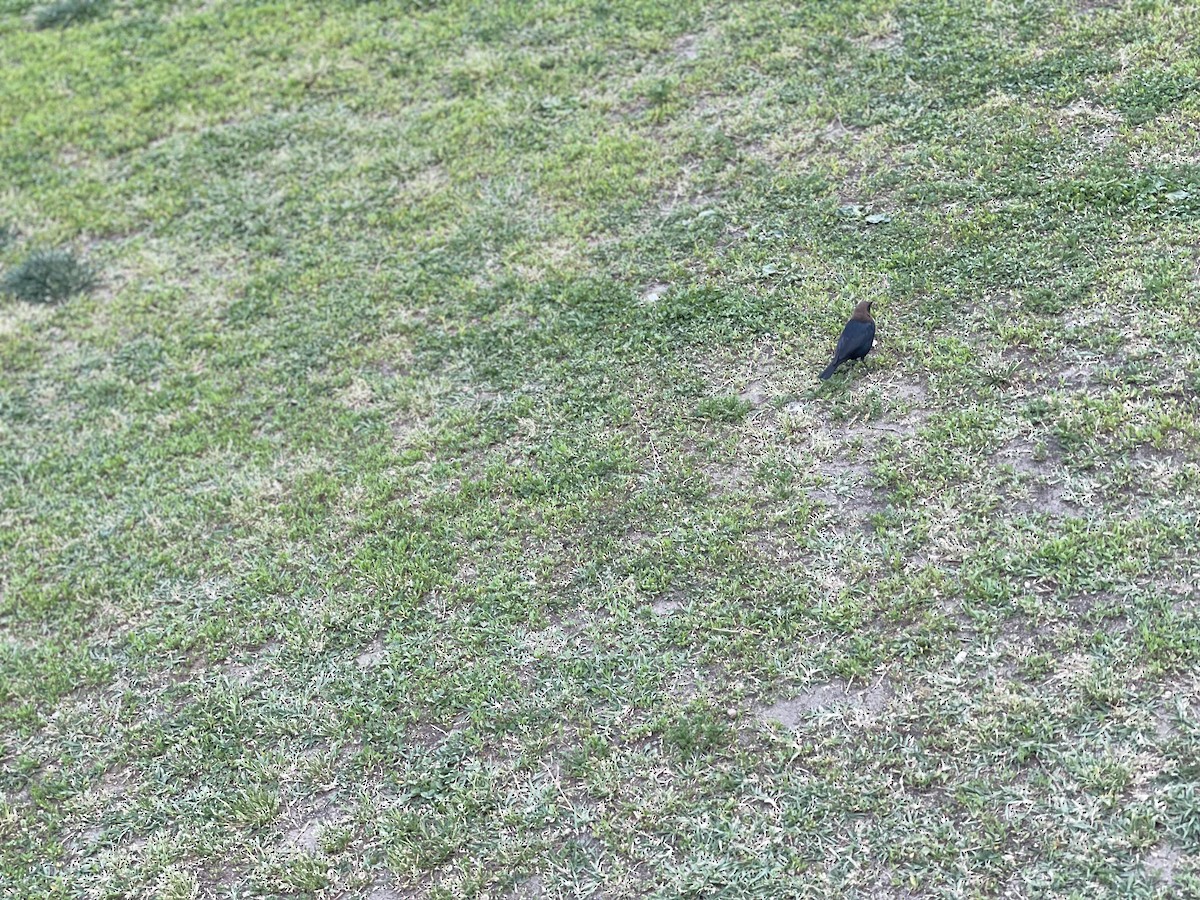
416 482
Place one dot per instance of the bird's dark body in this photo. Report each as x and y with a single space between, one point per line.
856 340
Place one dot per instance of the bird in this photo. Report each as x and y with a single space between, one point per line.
856 340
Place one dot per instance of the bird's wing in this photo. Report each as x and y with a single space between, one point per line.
849 341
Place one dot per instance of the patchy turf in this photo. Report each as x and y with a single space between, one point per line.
433 496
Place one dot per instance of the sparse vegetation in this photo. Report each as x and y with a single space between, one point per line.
439 500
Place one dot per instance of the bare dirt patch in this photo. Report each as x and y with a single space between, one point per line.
883 36
905 413
1077 377
665 606
1164 726
796 148
246 671
529 889
427 737
407 431
653 293
885 890
686 48
1177 706
1041 480
383 892
1096 7
357 395
729 477
114 783
424 183
549 641
305 835
1164 861
836 696
82 842
779 548
373 655
755 393
1082 109
754 378
683 687
842 481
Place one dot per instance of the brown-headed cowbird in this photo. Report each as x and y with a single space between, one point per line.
856 339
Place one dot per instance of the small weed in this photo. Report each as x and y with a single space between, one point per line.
698 730
68 12
723 409
659 96
335 839
1183 811
254 806
48 276
1038 410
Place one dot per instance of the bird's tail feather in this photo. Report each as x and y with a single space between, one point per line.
824 376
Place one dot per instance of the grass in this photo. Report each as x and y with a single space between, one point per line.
435 496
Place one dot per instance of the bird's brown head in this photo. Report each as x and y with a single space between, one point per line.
862 312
